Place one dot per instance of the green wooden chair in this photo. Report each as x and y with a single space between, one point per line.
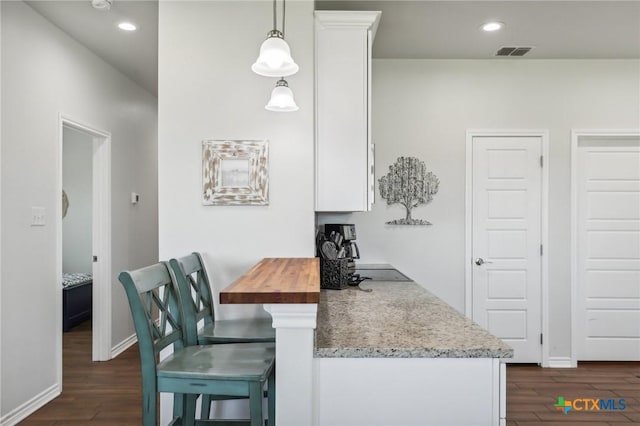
197 305
221 371
193 280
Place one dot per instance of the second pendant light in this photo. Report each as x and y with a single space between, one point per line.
282 98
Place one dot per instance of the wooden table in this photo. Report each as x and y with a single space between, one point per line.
277 280
289 289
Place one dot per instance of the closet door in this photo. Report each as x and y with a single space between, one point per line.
608 250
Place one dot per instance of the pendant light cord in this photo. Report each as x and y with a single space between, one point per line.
275 24
284 4
275 19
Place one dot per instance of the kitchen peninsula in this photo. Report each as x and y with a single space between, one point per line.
395 355
400 355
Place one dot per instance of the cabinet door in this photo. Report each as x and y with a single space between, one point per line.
342 144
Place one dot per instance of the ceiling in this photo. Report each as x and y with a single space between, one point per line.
425 29
451 29
133 53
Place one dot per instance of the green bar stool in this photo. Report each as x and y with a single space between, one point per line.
193 281
197 305
219 371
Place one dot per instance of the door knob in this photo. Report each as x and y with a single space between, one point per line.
480 261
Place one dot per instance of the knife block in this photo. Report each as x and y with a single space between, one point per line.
334 273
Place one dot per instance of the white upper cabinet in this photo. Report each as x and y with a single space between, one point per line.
344 153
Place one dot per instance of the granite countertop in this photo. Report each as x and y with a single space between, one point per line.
398 320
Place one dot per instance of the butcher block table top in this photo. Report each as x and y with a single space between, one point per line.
277 280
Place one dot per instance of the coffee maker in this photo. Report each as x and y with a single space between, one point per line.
338 251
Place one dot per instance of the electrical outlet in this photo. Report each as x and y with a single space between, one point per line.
37 216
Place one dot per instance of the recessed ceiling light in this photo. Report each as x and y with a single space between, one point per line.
101 4
492 26
127 26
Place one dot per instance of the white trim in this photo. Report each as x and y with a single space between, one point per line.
1 321
286 315
544 229
560 362
23 411
468 221
101 346
101 223
124 345
576 135
349 19
503 392
496 391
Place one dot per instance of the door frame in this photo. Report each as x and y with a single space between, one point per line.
544 225
101 239
578 135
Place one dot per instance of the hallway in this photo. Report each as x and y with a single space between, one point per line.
100 393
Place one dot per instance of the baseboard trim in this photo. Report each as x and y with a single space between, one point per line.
561 362
20 413
123 346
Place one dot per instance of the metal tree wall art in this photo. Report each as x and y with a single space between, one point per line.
410 184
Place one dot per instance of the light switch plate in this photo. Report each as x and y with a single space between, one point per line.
37 216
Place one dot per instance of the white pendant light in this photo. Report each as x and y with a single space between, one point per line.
275 55
282 98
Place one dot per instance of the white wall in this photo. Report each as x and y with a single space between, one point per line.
208 91
44 73
1 286
423 108
77 175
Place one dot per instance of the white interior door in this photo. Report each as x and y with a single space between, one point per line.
608 250
506 241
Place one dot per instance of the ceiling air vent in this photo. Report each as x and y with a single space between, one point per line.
513 51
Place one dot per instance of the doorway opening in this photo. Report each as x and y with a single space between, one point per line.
77 231
83 236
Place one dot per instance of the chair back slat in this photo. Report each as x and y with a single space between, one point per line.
150 277
154 302
193 284
190 263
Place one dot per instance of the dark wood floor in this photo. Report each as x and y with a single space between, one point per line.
93 393
532 391
108 393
